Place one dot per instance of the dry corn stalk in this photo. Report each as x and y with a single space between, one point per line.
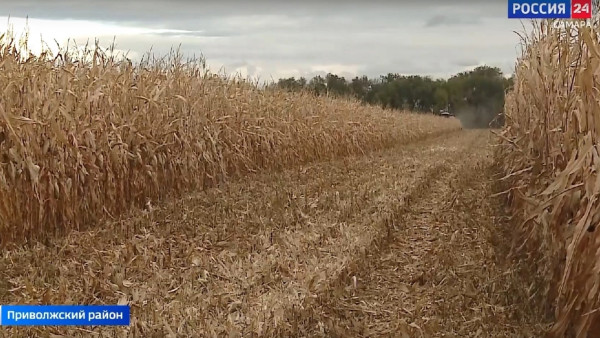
85 135
550 154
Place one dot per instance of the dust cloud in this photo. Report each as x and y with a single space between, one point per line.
482 116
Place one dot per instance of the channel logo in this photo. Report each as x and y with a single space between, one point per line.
550 9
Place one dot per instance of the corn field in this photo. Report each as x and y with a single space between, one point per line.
550 155
85 135
216 207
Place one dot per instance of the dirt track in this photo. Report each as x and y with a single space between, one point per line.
403 243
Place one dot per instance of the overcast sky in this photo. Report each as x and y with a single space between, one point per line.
289 38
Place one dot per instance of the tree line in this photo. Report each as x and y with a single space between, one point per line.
476 97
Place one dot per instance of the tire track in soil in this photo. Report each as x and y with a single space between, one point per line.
373 236
310 273
310 318
443 274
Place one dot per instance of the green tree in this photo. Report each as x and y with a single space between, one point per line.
478 95
291 84
336 85
318 85
441 97
360 87
475 96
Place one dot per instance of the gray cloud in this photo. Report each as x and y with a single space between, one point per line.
444 20
301 38
466 63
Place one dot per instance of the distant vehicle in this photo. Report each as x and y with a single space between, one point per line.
445 113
